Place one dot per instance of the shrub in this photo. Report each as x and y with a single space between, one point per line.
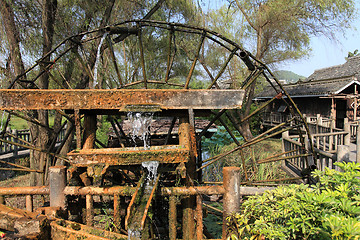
328 210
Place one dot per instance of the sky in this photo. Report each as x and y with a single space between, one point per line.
325 53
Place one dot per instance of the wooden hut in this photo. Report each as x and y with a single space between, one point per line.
331 92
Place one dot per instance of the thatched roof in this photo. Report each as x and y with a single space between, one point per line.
323 82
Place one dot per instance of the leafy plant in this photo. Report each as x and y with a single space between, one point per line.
328 210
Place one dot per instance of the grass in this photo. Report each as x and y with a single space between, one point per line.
255 172
19 181
250 155
19 123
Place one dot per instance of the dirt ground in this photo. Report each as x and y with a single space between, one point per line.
19 201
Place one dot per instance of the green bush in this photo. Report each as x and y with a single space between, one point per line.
328 210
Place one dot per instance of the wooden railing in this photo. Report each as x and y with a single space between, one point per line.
272 118
353 130
293 147
18 135
325 159
6 148
329 141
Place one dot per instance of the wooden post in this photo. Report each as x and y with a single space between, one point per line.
29 203
284 135
342 154
307 159
187 138
355 102
89 210
199 218
232 197
172 217
333 110
78 128
117 210
89 131
57 185
358 143
332 124
318 123
348 130
15 152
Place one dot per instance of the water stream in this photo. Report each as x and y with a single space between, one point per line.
140 123
98 54
135 229
151 168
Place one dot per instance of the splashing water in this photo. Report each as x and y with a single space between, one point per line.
140 123
98 59
151 167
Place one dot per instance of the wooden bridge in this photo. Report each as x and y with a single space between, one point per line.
330 144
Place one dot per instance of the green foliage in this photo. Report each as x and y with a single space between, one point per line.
329 210
103 130
220 143
289 76
352 54
281 30
213 221
219 139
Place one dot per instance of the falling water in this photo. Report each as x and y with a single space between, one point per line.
98 59
151 167
140 123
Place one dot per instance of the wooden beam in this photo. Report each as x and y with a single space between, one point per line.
119 99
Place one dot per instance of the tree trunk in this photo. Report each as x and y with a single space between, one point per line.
13 37
42 135
250 92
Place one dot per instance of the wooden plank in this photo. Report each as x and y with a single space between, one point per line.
119 99
129 156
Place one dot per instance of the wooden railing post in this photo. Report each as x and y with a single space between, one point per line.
348 130
15 133
232 197
283 136
342 154
358 144
172 217
318 123
332 124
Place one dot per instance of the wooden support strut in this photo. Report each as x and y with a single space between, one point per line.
57 185
231 182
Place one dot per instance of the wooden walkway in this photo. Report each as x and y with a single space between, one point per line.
330 145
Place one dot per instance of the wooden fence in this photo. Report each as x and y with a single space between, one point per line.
17 136
271 118
326 140
292 147
6 148
57 191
